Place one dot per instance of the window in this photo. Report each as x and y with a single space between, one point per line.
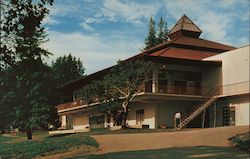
140 116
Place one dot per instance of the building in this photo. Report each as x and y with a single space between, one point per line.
207 82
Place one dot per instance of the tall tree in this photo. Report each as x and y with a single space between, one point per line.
21 37
151 39
65 69
162 31
121 85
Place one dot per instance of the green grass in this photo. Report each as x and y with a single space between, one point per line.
197 152
42 144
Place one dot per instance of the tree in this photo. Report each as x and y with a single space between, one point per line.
20 19
120 85
162 31
67 68
151 39
157 35
21 37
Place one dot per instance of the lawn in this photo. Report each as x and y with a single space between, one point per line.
43 144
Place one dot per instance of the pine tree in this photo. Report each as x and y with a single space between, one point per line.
162 31
151 39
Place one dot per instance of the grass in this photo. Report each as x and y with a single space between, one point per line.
201 152
42 144
242 141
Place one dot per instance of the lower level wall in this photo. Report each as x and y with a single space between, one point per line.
80 121
238 106
149 115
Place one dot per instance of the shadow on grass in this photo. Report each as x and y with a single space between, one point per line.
202 152
60 135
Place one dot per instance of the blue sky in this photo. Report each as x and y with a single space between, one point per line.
100 32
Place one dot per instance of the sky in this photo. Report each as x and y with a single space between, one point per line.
100 32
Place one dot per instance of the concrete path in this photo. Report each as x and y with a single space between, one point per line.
144 141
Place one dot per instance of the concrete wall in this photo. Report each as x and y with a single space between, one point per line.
235 70
149 114
242 114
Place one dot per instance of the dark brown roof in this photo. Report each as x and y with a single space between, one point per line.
185 24
189 54
192 43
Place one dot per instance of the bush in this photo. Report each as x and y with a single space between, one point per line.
242 141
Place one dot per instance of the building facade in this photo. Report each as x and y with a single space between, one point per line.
207 82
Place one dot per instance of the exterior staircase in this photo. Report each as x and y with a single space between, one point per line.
210 98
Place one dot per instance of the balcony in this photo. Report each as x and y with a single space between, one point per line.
227 90
175 89
71 104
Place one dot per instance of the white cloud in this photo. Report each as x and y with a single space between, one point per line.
88 21
116 10
50 20
96 52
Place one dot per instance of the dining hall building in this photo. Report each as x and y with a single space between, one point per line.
206 81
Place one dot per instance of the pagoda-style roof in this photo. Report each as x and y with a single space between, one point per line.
184 27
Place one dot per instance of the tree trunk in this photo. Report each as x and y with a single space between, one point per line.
29 133
125 114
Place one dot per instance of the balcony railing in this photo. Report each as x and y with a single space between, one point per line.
71 104
175 89
231 89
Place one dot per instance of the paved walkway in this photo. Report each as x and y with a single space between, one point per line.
215 137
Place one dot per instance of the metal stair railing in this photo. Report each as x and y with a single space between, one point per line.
207 100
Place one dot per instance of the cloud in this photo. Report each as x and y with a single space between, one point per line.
88 22
97 52
129 11
50 20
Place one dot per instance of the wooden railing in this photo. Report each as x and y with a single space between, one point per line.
175 89
231 89
71 104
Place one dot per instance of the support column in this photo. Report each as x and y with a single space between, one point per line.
155 79
214 114
63 121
